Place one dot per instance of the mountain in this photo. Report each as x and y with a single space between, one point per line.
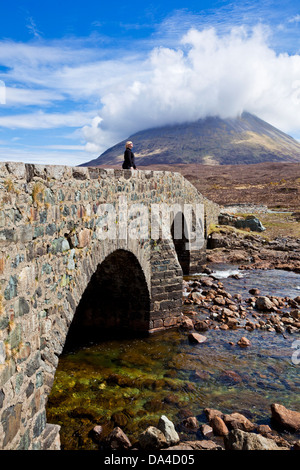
210 141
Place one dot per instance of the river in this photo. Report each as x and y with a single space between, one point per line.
131 383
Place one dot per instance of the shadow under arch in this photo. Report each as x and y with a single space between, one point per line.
178 233
115 303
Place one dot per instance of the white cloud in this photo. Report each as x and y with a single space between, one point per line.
207 74
32 27
41 120
28 97
295 19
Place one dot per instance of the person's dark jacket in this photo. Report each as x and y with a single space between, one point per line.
129 160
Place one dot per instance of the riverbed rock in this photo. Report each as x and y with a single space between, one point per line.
211 412
190 422
186 323
196 297
197 338
218 426
264 303
254 291
207 430
97 433
232 323
201 325
195 445
152 439
295 314
117 440
241 440
168 429
244 342
285 418
264 430
238 421
230 376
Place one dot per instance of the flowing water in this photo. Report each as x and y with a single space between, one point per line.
131 383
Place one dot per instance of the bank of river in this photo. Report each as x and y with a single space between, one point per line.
131 383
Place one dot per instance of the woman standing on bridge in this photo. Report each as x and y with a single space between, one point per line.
129 160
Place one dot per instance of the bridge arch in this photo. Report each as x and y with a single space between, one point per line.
116 301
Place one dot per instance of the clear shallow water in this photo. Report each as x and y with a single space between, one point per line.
131 383
275 282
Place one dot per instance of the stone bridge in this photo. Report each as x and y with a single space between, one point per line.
72 271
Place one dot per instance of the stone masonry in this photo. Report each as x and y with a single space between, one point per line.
51 247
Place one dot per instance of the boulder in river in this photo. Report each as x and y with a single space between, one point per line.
285 418
168 429
197 338
117 440
264 303
152 439
244 342
241 440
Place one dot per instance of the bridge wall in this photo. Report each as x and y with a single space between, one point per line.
50 246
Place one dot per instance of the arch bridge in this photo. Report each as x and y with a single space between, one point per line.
84 253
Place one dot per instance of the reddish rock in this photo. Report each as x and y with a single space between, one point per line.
117 440
196 297
264 430
254 291
201 374
232 375
218 426
206 430
186 324
211 412
244 342
201 326
219 300
197 338
191 312
287 419
191 422
238 421
232 323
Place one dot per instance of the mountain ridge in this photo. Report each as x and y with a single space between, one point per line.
246 139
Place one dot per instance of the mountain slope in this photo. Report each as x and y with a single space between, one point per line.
211 141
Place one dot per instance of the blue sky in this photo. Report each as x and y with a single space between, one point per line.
77 77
